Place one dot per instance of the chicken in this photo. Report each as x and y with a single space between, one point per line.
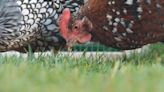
123 24
32 24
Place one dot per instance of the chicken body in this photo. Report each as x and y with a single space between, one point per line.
123 24
36 27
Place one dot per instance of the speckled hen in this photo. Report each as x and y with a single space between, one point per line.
32 24
123 24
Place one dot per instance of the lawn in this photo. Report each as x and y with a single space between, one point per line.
137 73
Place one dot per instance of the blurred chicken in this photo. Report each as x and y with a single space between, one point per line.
123 24
32 24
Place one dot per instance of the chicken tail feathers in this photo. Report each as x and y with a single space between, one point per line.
10 16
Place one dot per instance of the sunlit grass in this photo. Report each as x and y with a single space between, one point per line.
138 73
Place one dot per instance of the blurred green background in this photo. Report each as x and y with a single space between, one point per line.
93 47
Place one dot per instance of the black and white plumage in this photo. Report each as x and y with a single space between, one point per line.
33 23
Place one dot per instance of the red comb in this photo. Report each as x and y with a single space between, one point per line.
63 23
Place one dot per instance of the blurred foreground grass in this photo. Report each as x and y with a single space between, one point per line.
137 73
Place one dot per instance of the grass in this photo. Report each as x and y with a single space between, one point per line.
137 73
